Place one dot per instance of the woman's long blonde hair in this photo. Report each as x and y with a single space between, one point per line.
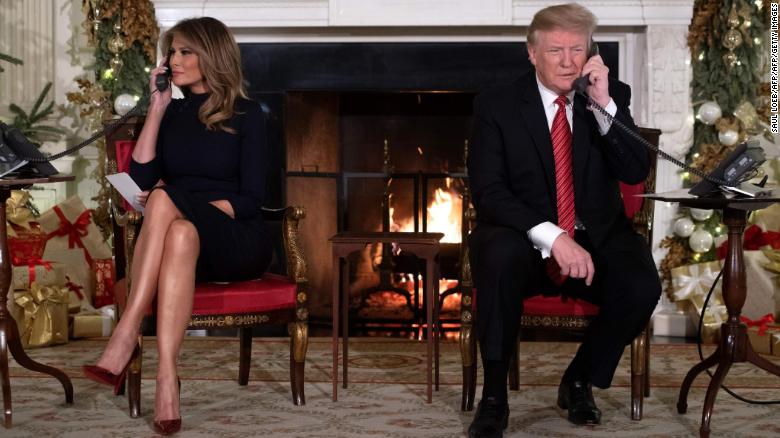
219 60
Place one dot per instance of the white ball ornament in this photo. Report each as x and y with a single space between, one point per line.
700 241
709 112
701 215
683 227
124 103
728 138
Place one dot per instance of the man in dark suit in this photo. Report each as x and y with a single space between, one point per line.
544 171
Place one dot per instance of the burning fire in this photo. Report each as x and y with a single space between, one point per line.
443 215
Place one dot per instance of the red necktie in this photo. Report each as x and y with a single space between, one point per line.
564 181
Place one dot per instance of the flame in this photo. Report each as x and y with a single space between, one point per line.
444 214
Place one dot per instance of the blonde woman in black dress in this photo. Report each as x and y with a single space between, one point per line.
201 162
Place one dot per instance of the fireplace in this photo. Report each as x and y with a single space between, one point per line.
352 123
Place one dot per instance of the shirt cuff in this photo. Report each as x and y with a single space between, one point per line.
602 120
543 235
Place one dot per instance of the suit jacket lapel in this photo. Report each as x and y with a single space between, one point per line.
532 112
580 144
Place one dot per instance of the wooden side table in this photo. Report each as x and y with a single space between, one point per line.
734 346
424 246
9 333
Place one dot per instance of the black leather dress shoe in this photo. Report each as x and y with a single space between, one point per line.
577 398
490 420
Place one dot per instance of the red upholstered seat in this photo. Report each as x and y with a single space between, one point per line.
557 306
272 292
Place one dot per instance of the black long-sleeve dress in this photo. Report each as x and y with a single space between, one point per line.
198 166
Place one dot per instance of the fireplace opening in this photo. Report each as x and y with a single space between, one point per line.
403 170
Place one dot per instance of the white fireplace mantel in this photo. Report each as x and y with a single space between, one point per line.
347 13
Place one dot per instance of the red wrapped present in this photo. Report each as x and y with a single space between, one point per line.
104 282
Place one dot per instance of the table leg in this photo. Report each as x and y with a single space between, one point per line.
429 319
437 321
682 399
345 321
6 378
335 288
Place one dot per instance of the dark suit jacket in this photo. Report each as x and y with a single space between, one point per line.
512 171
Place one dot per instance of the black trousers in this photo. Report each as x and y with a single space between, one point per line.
506 268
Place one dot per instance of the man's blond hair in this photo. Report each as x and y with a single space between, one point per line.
571 17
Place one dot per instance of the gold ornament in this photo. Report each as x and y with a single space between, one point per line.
733 20
116 64
116 44
730 59
732 39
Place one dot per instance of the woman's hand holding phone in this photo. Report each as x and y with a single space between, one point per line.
160 98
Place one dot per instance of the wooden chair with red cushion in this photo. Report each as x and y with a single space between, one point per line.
555 317
279 297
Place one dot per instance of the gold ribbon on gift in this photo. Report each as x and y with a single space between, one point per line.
16 211
45 319
774 259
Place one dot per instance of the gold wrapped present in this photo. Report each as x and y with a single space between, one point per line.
93 323
45 320
760 332
714 317
776 343
17 213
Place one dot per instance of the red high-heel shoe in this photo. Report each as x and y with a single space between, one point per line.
105 377
169 427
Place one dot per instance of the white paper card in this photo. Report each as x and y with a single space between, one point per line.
127 188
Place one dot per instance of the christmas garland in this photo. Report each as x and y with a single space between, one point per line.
728 58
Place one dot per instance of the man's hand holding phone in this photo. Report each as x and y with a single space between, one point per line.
598 77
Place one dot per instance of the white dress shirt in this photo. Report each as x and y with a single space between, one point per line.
543 235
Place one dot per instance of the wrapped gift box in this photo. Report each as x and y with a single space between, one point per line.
69 225
763 295
45 315
776 343
48 274
78 274
93 323
104 282
761 333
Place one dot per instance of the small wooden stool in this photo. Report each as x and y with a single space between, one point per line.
424 246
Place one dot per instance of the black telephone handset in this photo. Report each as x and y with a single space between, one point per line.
162 81
582 82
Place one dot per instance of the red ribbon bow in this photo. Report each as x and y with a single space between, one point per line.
763 323
75 231
31 264
753 239
75 288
